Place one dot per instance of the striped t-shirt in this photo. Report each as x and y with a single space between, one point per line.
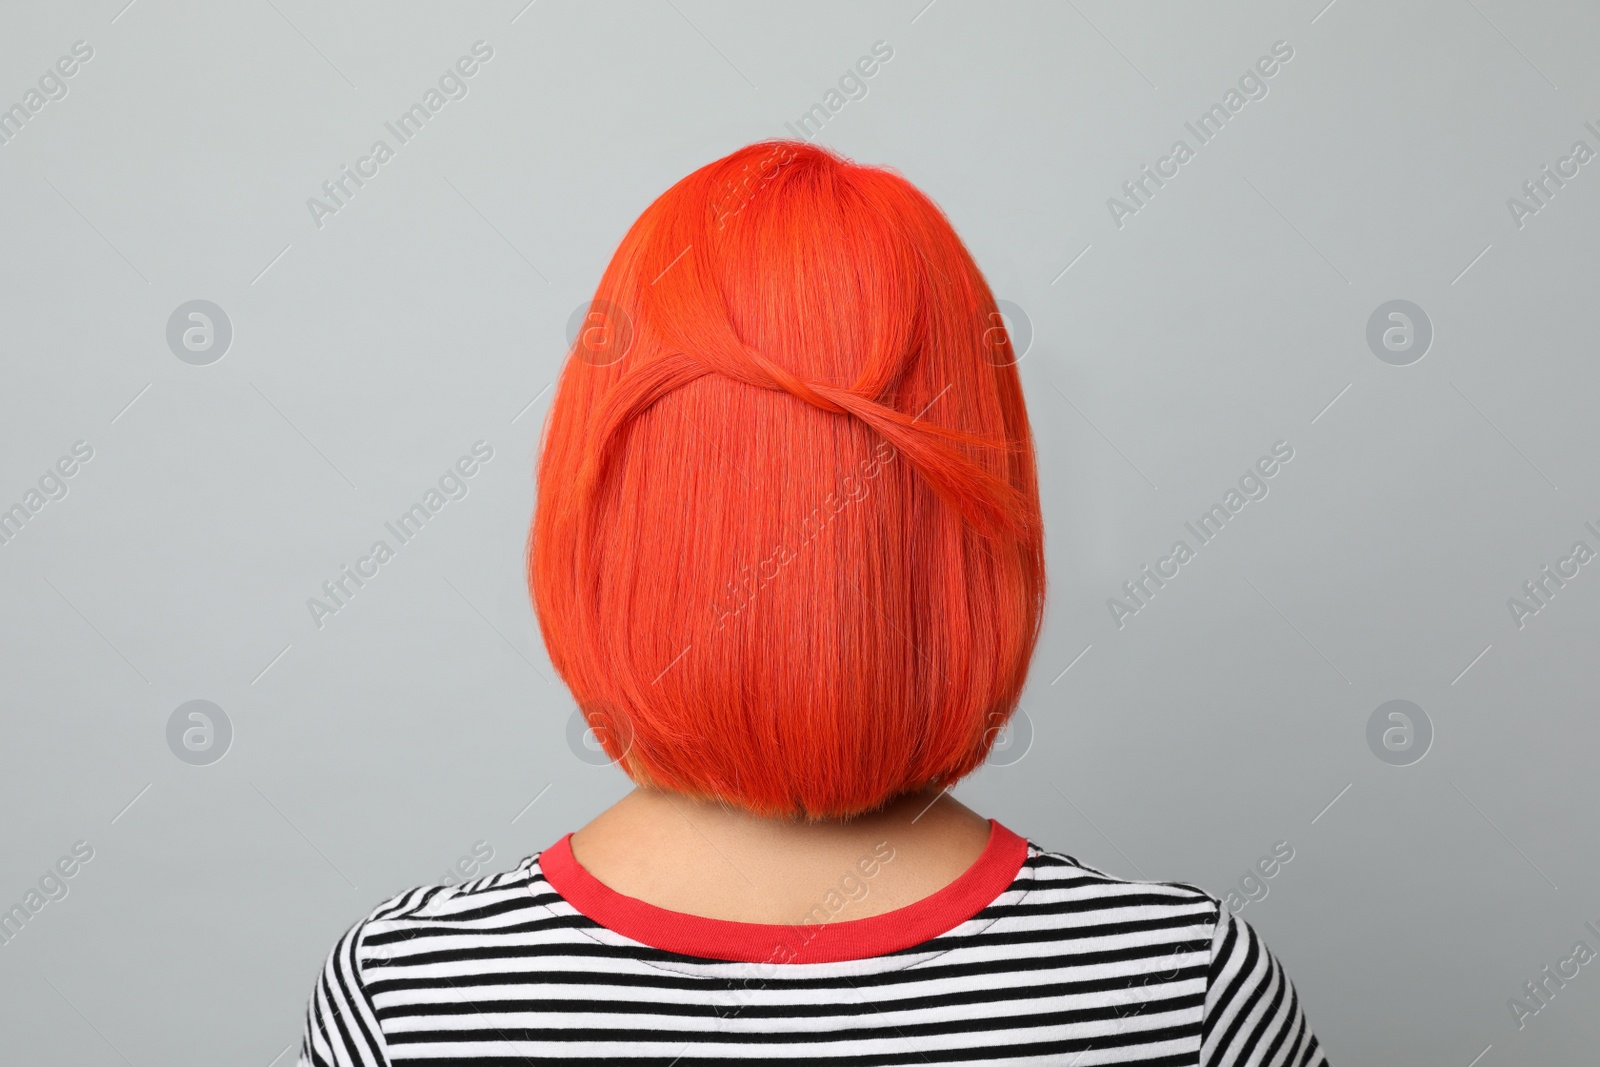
1029 957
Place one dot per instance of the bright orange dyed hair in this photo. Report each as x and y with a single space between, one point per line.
787 551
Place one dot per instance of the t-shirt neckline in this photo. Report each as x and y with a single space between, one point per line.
808 942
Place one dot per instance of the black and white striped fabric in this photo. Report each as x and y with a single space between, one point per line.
1068 965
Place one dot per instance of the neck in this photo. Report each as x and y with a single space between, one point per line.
703 858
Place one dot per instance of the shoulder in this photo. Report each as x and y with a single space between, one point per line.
1250 1008
435 909
1058 873
342 1026
1164 929
445 906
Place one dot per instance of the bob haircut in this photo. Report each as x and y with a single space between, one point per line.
787 550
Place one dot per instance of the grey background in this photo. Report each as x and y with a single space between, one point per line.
1228 314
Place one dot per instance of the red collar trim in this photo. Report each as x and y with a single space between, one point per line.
723 939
